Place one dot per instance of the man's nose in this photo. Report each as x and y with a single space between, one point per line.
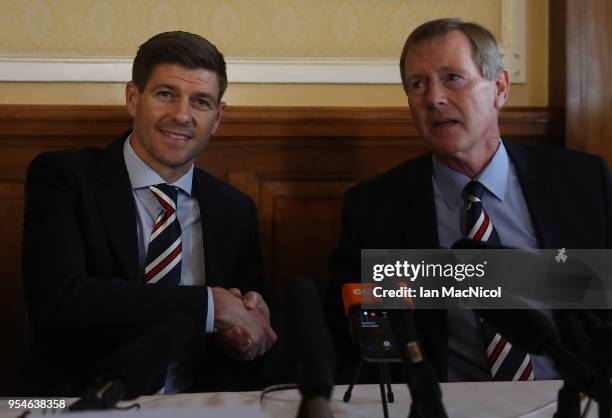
181 112
436 95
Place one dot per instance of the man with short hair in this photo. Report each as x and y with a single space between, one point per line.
525 196
118 239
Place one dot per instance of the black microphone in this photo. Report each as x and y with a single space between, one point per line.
586 332
134 369
420 376
531 331
310 347
352 295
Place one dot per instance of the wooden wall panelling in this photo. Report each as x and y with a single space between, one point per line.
589 65
69 126
299 223
12 304
557 54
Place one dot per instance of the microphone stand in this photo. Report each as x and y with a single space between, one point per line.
384 379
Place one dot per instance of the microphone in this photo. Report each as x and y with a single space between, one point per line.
586 332
310 347
531 331
588 335
134 369
420 377
353 295
370 327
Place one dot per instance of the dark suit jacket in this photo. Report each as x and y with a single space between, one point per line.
568 194
82 282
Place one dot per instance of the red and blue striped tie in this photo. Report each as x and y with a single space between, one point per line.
163 264
505 361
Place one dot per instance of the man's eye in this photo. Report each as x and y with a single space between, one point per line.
164 94
453 77
416 84
203 104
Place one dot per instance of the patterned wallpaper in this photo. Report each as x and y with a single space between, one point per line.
240 28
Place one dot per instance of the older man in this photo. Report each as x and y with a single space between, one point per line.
527 196
117 240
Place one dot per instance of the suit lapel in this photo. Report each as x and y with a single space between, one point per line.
416 205
212 228
539 191
117 208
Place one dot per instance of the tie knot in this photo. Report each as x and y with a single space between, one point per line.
474 189
165 194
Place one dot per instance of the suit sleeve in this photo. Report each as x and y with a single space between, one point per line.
345 267
64 300
250 267
345 260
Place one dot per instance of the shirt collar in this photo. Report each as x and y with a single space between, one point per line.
142 176
449 184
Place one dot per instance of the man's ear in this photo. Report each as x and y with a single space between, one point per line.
502 87
132 94
220 110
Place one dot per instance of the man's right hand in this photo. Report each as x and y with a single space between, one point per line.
244 333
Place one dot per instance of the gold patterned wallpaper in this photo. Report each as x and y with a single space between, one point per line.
240 28
264 29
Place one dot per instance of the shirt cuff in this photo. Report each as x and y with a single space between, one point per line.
210 314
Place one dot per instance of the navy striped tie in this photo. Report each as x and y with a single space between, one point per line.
505 361
163 264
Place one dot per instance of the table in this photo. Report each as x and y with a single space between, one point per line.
467 399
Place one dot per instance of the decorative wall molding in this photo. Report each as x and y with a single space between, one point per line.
298 70
119 69
513 42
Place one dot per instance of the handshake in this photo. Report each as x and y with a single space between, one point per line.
242 323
